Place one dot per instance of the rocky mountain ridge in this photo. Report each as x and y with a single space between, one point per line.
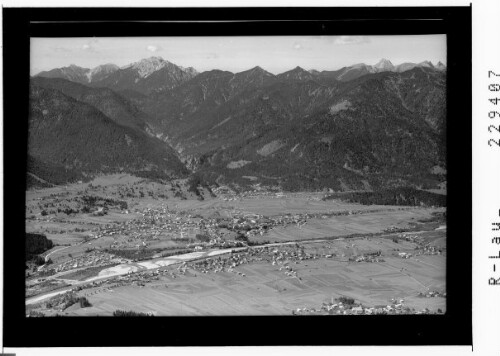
358 127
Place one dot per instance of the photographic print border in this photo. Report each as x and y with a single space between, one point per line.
453 328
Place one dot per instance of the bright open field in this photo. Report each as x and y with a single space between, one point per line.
264 290
348 224
162 219
293 203
75 231
267 290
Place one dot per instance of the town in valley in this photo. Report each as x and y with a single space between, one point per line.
160 190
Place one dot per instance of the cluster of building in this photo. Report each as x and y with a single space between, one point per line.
157 223
432 294
410 237
91 259
152 225
430 250
46 286
219 264
255 224
216 244
139 279
284 257
370 257
396 306
392 229
405 254
423 248
225 193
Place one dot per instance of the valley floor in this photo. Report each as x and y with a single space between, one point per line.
168 252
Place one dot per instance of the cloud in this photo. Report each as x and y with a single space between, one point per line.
344 40
152 48
212 56
88 47
61 49
348 40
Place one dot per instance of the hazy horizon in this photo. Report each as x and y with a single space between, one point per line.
276 54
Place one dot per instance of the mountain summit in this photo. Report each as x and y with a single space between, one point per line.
79 138
309 130
426 64
440 66
144 76
101 72
297 73
72 72
146 67
147 75
384 65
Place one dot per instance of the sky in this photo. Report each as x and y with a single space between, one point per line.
275 54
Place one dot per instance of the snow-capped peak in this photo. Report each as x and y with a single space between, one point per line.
190 70
108 67
103 70
148 66
298 69
259 71
440 66
427 64
384 65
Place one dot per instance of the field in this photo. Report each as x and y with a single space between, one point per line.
265 289
350 224
157 247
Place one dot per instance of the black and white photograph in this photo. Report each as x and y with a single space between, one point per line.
227 177
194 176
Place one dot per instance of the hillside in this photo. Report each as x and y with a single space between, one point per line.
80 75
346 74
380 129
64 132
36 244
110 103
43 174
147 76
359 127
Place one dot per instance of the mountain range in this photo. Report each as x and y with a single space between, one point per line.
155 73
79 74
359 127
75 131
144 76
